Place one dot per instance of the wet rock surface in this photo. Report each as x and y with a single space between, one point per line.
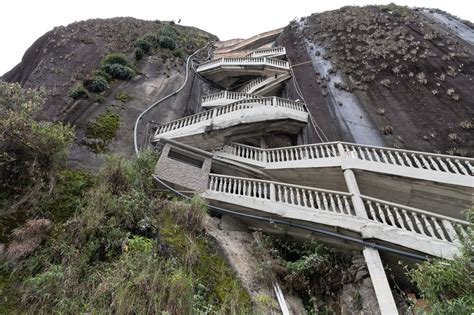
405 63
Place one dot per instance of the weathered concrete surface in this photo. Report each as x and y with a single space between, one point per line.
191 177
378 276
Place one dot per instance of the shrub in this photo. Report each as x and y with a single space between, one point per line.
448 285
168 30
115 58
144 44
31 152
139 54
123 97
118 71
178 53
167 42
97 84
78 91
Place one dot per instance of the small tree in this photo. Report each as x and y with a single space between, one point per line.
449 285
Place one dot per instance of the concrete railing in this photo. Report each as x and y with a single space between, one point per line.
411 159
243 61
415 220
285 154
307 197
379 212
263 82
237 106
225 98
405 159
269 52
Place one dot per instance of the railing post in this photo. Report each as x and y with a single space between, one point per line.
214 113
272 192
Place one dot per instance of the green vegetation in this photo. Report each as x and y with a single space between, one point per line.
123 97
31 153
102 131
449 285
165 38
167 42
78 91
308 268
97 84
116 66
123 249
396 9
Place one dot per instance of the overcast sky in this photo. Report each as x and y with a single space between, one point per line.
23 21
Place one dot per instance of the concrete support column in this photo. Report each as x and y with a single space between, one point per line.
353 188
379 280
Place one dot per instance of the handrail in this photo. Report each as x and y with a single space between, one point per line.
420 211
396 157
227 95
243 61
408 151
215 112
284 184
398 216
137 121
267 51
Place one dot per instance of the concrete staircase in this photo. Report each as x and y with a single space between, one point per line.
417 212
403 199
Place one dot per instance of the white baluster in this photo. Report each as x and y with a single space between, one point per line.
380 212
461 167
311 200
451 231
347 205
418 223
407 159
428 225
453 167
433 163
325 202
303 195
438 228
443 165
390 215
376 156
399 218
408 220
318 201
339 204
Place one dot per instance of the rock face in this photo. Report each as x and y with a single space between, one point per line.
66 55
403 73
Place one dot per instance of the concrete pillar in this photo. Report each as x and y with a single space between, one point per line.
353 188
379 280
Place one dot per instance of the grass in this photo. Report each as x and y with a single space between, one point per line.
123 249
123 97
101 131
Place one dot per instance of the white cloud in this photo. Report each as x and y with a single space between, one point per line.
23 21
